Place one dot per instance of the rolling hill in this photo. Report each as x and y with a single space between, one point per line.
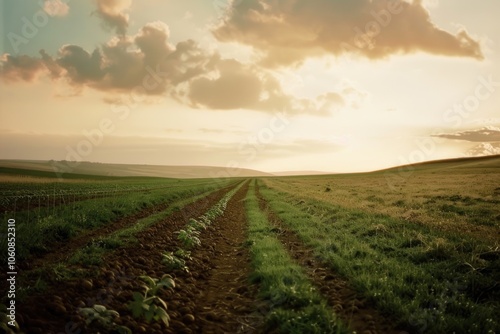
55 168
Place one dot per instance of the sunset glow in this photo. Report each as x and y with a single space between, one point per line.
321 85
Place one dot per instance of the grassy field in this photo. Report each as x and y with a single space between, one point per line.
409 250
297 307
427 251
461 196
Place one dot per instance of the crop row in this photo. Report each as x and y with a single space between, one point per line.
39 229
148 303
189 236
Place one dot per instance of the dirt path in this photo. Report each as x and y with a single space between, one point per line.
353 309
226 302
55 310
215 296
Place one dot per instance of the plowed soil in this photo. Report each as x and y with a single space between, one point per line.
218 294
213 297
63 250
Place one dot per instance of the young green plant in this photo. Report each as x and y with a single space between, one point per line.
149 305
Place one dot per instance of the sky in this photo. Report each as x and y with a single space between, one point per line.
276 85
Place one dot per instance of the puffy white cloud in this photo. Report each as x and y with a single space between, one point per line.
484 149
145 60
113 14
148 64
288 31
248 86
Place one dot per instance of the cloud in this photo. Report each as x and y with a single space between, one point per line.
21 68
148 64
484 149
236 87
173 130
112 13
222 131
430 3
287 32
51 65
487 139
331 100
81 66
485 134
55 8
247 86
146 60
28 69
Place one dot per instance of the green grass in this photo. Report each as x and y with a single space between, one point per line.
37 230
49 175
431 280
296 306
457 196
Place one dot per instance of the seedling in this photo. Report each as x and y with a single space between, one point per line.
186 255
103 318
149 305
177 260
189 237
198 225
